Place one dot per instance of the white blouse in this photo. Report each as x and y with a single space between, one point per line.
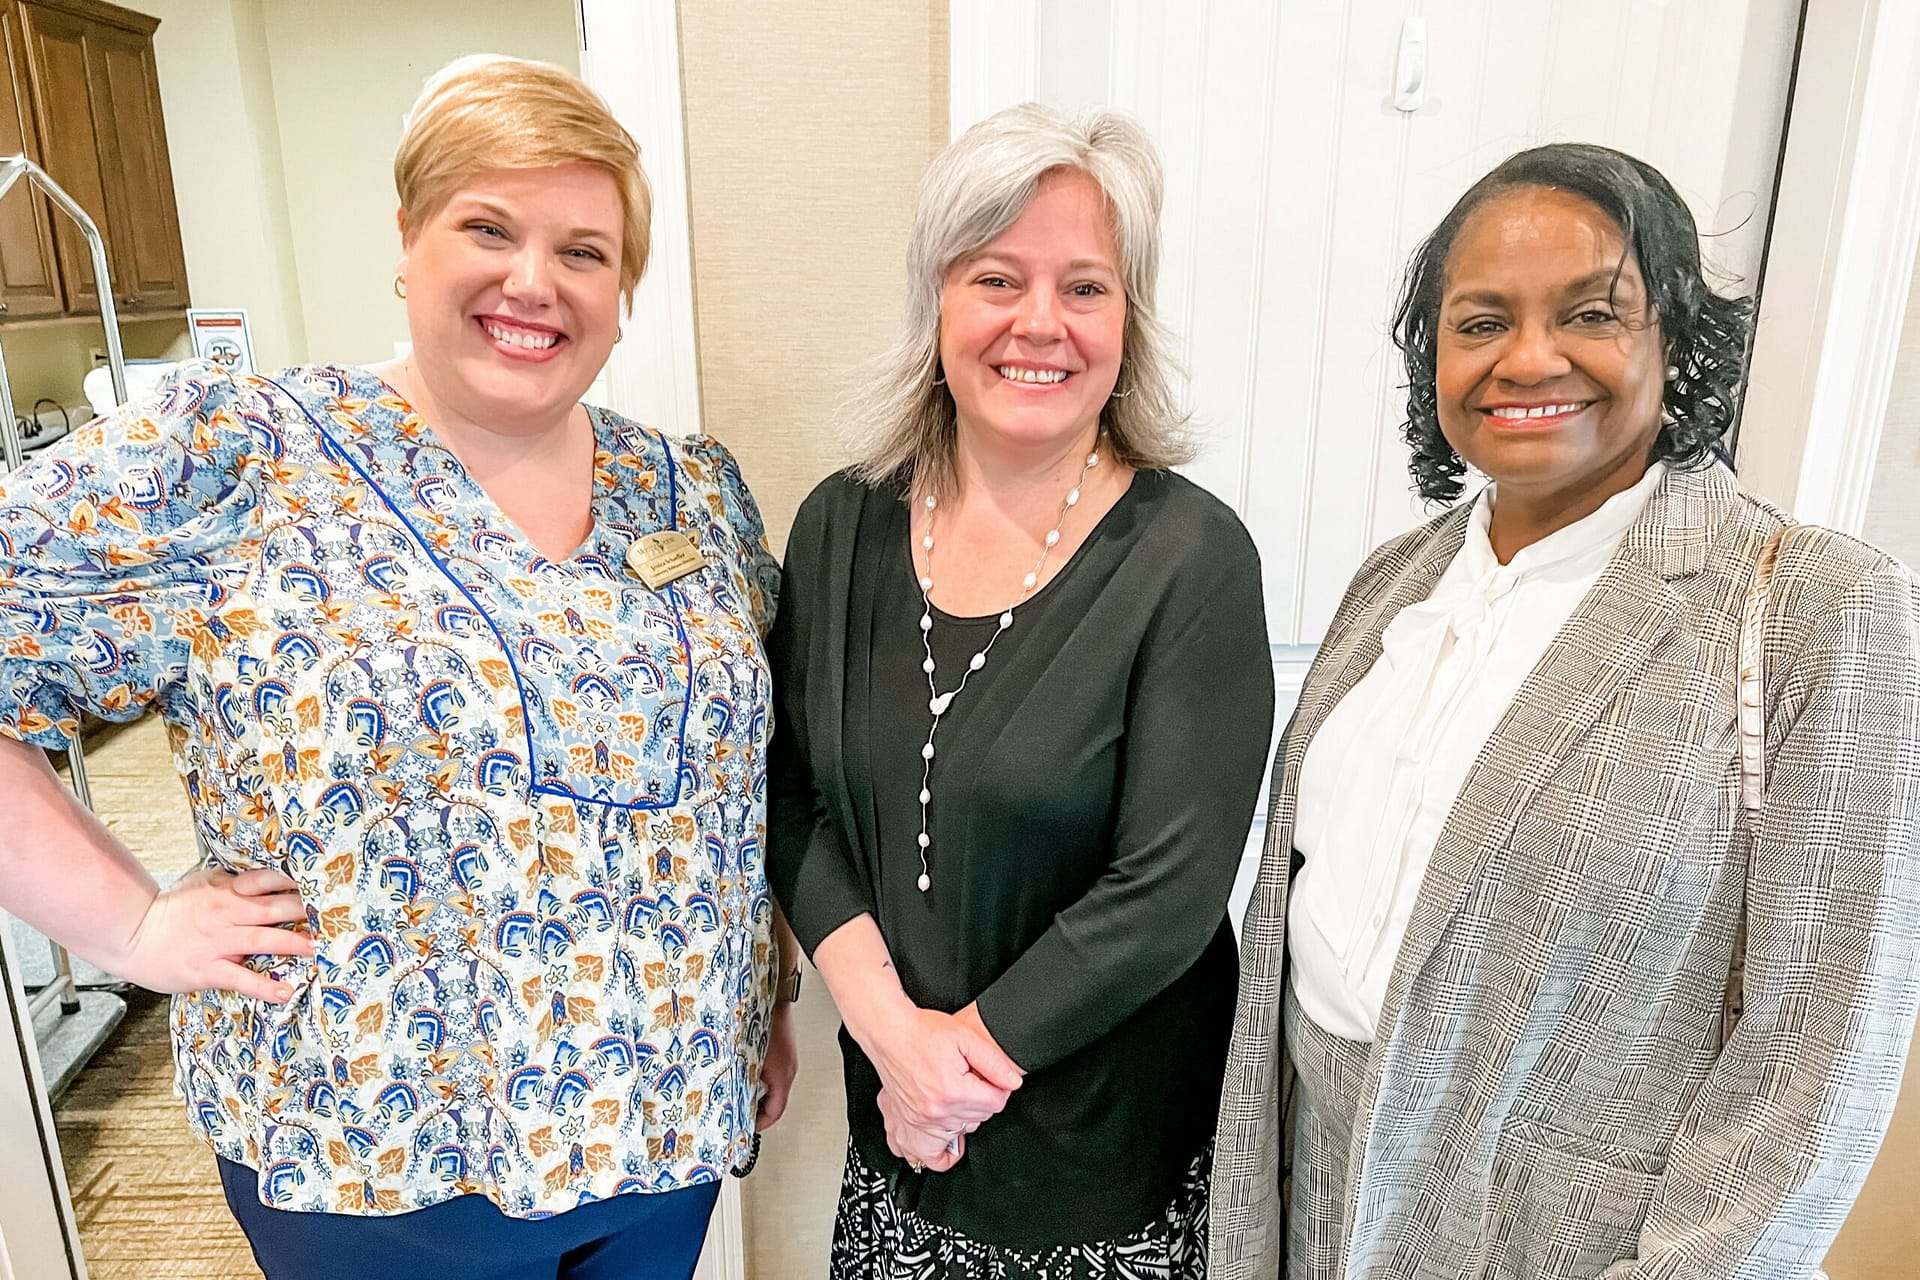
1382 773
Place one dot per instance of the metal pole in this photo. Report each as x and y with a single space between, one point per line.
13 452
12 169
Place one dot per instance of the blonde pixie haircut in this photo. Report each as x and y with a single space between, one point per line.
903 428
485 111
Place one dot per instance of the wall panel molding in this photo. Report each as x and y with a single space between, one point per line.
630 53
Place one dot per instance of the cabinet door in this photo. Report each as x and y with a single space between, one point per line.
67 112
29 279
149 267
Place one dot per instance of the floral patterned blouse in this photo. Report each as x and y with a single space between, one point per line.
523 799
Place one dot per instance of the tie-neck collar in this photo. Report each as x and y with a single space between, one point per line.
1588 541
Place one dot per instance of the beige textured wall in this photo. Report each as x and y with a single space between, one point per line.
808 124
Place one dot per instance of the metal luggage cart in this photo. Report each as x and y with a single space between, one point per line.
63 990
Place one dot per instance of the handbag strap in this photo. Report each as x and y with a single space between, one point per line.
1753 676
1751 714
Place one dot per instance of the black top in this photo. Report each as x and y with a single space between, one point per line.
1092 792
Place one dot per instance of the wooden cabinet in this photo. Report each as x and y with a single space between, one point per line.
149 267
83 76
29 275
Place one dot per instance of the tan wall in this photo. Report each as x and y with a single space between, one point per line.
344 73
223 136
808 124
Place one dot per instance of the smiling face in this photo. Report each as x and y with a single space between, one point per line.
513 293
1548 363
1031 325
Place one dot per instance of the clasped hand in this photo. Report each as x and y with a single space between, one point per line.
943 1077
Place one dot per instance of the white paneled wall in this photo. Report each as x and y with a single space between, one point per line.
1296 191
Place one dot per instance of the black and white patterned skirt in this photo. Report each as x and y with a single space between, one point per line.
874 1239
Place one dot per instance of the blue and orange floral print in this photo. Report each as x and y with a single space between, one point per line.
523 798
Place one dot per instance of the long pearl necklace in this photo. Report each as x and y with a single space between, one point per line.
938 702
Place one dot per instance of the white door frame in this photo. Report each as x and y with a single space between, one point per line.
39 1239
630 52
1840 261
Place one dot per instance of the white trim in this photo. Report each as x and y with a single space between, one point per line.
991 58
39 1239
724 1256
1840 262
630 52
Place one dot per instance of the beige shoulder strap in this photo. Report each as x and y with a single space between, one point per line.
1752 714
1753 677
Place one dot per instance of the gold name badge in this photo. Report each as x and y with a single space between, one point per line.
663 557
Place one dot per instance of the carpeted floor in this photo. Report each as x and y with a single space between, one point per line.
144 1188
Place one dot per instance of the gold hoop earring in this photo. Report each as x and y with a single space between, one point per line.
618 334
399 286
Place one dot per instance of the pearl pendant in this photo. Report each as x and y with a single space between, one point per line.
939 705
926 882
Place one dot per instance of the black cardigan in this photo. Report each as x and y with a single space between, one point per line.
1092 800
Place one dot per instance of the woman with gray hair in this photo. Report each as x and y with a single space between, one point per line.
1023 697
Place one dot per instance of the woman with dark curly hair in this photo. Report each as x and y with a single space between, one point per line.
1583 942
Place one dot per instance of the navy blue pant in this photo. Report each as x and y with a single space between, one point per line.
628 1237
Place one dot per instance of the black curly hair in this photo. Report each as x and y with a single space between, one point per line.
1705 333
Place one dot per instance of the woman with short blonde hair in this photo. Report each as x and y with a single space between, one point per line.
1006 805
488 112
466 684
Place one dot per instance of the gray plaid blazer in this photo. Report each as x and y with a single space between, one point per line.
1548 1095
